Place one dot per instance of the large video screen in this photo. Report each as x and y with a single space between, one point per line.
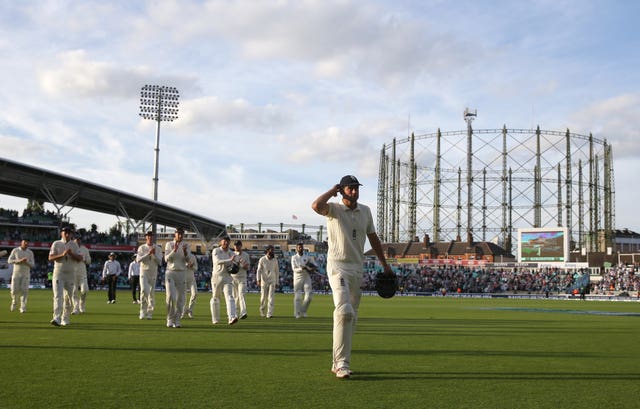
543 244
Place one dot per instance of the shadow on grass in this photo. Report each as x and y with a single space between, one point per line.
482 353
242 350
406 327
181 350
492 376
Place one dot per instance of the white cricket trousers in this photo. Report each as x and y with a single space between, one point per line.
20 289
192 287
80 290
302 293
239 291
147 292
346 289
222 284
267 292
63 283
174 286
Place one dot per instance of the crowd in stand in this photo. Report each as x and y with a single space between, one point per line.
21 229
457 279
8 214
413 278
621 278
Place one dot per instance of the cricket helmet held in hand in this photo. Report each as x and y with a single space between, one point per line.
386 285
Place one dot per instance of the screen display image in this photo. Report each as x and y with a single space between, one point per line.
542 245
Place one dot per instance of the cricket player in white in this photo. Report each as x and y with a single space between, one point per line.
176 254
23 261
221 282
65 254
267 276
240 280
190 285
149 256
301 282
82 282
348 225
133 274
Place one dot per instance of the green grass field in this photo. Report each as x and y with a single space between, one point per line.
408 352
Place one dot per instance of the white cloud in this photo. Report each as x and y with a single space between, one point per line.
337 38
20 147
212 112
74 74
350 147
281 98
77 75
613 119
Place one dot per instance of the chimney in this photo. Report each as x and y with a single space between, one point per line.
427 241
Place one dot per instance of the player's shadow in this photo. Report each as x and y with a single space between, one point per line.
373 376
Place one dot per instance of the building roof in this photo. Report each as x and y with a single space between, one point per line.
449 248
34 183
625 233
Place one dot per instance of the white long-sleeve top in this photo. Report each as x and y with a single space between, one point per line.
134 269
149 262
222 260
268 270
111 267
81 266
19 265
64 264
298 262
176 255
244 262
192 263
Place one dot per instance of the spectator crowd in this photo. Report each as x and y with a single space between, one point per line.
445 279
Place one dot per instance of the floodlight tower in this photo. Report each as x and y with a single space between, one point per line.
158 103
469 116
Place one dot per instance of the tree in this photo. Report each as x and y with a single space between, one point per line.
115 230
33 206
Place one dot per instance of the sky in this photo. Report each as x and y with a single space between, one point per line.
280 99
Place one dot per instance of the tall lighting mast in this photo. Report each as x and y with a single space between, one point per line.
469 116
158 103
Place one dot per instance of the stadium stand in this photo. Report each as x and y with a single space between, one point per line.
40 228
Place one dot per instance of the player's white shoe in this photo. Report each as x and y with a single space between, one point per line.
335 370
343 373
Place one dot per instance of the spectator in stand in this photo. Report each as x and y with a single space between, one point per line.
240 280
176 254
82 282
221 283
349 224
302 290
65 254
134 279
150 258
191 286
23 261
267 277
110 273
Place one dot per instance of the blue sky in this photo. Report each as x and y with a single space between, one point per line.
279 99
